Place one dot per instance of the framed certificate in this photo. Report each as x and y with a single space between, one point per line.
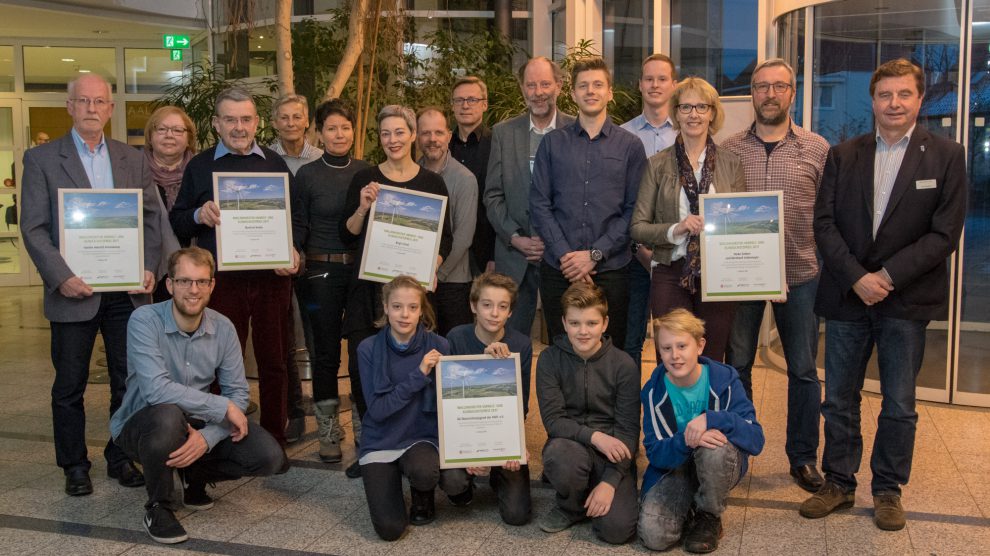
742 246
101 237
403 236
480 411
255 230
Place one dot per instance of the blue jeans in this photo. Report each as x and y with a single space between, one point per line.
524 311
798 329
900 350
639 310
704 481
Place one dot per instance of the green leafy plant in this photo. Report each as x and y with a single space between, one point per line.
196 90
625 104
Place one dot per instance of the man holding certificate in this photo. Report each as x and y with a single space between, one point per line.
85 159
259 298
777 155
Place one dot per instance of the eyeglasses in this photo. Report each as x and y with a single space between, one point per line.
96 102
469 101
177 130
779 87
699 108
187 282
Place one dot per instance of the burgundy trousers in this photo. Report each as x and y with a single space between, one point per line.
666 294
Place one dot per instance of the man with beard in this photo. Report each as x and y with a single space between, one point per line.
451 299
655 129
585 181
169 419
780 156
518 249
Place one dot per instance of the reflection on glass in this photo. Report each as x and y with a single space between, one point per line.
10 258
6 68
137 117
790 45
716 40
974 347
50 68
627 38
149 70
53 121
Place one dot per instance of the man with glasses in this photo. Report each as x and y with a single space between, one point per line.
471 145
85 159
519 250
255 299
777 155
585 181
656 130
170 421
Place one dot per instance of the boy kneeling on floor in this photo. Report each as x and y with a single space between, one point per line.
699 430
587 392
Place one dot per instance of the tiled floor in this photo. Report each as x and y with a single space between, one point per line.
314 508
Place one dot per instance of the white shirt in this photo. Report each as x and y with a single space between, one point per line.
683 210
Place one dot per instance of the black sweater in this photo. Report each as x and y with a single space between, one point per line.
322 194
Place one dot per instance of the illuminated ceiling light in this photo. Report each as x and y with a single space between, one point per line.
68 59
84 71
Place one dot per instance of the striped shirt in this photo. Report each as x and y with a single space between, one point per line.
885 167
794 166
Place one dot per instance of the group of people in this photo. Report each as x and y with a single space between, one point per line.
596 223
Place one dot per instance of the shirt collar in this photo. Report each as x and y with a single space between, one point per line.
222 150
83 147
791 132
642 123
905 139
550 127
473 138
605 131
308 151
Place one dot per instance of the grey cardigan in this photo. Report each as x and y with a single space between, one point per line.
658 203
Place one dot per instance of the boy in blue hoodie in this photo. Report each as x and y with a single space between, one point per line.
699 430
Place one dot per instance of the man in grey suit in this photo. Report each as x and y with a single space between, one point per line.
518 250
84 159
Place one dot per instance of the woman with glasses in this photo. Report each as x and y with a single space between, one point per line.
397 134
321 188
169 143
666 213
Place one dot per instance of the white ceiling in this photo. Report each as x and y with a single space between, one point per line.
42 20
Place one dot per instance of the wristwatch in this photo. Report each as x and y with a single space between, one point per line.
596 255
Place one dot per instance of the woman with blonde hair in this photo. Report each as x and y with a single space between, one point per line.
666 213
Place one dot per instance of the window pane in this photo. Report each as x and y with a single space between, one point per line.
6 68
627 37
790 45
715 40
50 68
137 117
149 70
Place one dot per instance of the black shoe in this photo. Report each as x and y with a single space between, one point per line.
464 498
353 471
194 494
703 533
286 464
807 477
127 475
423 509
161 524
77 482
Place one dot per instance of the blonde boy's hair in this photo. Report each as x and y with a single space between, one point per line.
680 321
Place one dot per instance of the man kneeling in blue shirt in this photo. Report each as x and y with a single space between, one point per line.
699 431
169 420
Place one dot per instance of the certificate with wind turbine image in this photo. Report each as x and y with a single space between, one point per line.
101 237
403 236
255 230
480 411
742 247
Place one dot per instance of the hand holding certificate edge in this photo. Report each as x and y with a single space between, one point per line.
209 214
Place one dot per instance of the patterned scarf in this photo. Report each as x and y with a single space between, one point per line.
168 180
692 260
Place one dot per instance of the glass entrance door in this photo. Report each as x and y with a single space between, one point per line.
14 264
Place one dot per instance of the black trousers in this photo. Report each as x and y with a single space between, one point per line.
515 504
452 303
154 432
614 284
72 347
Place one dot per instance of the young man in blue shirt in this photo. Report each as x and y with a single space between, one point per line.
699 429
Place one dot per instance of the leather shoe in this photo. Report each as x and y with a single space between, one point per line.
807 477
127 475
888 514
77 482
829 498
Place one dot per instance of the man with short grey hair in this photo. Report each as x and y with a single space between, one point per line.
255 299
451 297
83 159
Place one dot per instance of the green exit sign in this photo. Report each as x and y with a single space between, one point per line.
175 41
175 55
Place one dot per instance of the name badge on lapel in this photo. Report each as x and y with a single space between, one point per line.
925 184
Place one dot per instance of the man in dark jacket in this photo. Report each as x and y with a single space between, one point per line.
587 390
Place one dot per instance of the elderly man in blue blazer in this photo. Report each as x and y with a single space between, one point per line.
84 159
518 249
889 213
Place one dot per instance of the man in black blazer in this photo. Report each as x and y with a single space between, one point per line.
889 213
